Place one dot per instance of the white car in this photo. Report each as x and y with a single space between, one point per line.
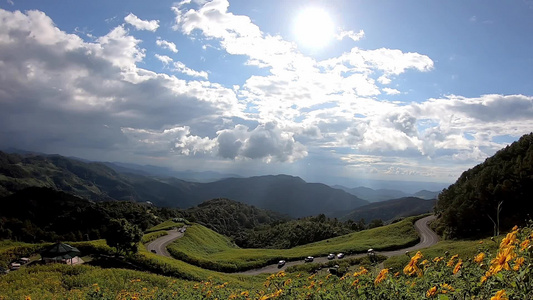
340 255
309 259
331 256
281 263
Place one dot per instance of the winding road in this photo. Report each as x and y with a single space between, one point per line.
160 244
427 238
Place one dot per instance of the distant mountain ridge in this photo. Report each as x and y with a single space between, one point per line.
391 210
98 182
378 195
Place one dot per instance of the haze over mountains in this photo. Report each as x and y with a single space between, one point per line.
114 181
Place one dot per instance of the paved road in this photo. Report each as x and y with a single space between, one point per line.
427 238
160 244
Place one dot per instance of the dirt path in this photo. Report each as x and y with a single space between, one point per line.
427 238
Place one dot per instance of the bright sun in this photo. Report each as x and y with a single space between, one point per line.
313 28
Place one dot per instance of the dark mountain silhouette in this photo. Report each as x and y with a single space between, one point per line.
390 210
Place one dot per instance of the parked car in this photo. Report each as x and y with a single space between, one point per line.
281 263
331 256
309 259
153 251
340 255
14 266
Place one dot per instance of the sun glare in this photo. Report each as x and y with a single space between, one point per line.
313 28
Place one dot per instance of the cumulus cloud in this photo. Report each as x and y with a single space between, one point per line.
141 24
390 91
179 139
167 45
164 59
267 142
59 92
355 36
180 67
64 94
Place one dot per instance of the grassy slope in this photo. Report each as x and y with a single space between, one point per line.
167 225
208 249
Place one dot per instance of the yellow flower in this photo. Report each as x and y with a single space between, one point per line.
431 292
483 278
501 261
437 259
458 266
508 240
287 282
518 263
280 274
381 276
232 296
412 267
245 293
278 293
479 258
451 262
355 282
27 298
500 295
446 286
524 245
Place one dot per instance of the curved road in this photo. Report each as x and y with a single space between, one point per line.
159 245
427 238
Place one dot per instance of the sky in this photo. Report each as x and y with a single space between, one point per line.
325 90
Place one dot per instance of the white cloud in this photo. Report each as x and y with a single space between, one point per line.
267 142
177 139
180 67
167 45
390 91
65 93
164 59
351 34
141 24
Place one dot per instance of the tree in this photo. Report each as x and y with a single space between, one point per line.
123 236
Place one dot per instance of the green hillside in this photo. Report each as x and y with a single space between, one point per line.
468 207
208 249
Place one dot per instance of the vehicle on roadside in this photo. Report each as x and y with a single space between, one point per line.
340 255
281 263
153 251
309 259
331 256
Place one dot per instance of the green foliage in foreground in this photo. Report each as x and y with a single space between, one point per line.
467 248
208 249
503 273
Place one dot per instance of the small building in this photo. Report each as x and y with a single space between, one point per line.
61 253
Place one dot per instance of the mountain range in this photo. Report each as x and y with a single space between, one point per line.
98 182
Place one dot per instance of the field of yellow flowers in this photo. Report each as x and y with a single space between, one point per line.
496 275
